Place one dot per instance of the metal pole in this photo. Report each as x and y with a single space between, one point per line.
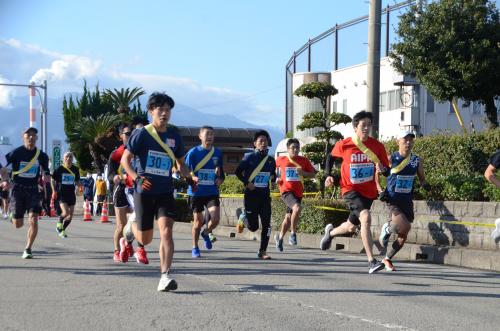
336 67
44 121
387 23
294 63
286 100
373 74
309 56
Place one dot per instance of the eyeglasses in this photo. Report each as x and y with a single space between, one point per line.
128 133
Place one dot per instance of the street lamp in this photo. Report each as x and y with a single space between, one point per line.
43 115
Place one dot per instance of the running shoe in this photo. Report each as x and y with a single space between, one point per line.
59 228
63 234
141 256
130 249
127 230
326 241
384 235
388 265
5 216
206 239
374 266
27 254
116 257
167 284
195 252
212 237
123 250
279 242
293 239
263 256
240 225
495 234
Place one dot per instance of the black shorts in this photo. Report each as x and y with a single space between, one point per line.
255 206
356 203
121 197
197 203
149 207
25 198
4 194
290 200
68 198
405 207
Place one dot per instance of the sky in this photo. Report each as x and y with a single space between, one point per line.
219 56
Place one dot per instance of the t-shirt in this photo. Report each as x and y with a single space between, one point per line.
100 187
400 185
288 174
116 167
153 161
357 171
495 159
247 165
207 174
65 180
20 157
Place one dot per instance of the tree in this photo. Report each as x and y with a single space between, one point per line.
124 97
453 48
318 151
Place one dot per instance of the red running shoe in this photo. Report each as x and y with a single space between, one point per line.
388 265
130 250
123 250
141 256
116 257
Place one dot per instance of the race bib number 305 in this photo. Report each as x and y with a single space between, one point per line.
158 163
292 175
361 172
31 173
262 179
206 176
404 184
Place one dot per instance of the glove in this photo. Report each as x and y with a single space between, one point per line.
54 195
143 183
384 196
336 179
426 186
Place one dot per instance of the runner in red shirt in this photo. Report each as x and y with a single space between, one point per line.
360 157
291 169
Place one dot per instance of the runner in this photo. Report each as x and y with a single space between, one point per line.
101 191
358 156
292 169
123 202
255 171
88 191
399 195
156 146
491 170
65 179
26 161
205 163
4 186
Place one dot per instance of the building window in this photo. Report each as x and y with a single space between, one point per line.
476 108
402 116
430 103
334 107
233 159
383 101
344 106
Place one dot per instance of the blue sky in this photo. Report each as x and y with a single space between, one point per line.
215 56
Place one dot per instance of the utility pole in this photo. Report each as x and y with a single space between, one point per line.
373 68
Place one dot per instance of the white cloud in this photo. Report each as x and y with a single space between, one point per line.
6 94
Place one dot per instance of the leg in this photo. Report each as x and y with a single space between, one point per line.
214 218
366 234
285 225
165 224
121 220
296 210
33 229
69 218
401 224
265 218
197 225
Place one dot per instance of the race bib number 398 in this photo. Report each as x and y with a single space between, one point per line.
158 163
361 172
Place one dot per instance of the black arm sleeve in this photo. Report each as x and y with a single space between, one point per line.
332 162
112 169
239 173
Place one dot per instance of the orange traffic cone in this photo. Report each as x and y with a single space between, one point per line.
52 208
86 213
104 213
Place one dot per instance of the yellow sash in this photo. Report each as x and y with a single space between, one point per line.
368 152
298 166
28 166
257 169
152 131
71 172
204 160
120 172
401 166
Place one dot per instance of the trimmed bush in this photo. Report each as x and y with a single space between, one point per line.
312 220
232 185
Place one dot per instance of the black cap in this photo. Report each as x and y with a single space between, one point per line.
32 129
262 133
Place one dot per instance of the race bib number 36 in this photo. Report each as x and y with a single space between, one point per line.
158 163
404 184
262 179
361 172
67 179
292 175
206 176
31 173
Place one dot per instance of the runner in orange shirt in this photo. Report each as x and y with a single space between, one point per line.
359 157
291 170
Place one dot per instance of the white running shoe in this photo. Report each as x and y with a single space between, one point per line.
167 284
127 229
496 233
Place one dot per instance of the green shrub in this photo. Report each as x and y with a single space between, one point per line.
312 220
182 210
232 185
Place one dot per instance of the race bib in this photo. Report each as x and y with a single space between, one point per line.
158 163
206 176
67 179
31 173
404 184
262 179
361 172
292 175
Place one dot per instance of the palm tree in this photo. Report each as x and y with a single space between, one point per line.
124 97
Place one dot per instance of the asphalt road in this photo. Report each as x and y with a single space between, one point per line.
73 284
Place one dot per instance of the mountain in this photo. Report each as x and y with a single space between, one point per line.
14 120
